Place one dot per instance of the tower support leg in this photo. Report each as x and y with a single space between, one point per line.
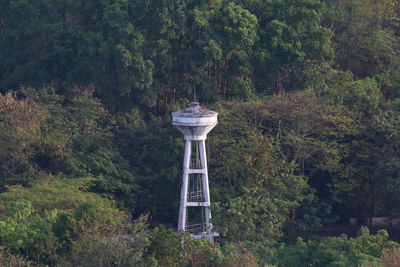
184 189
206 188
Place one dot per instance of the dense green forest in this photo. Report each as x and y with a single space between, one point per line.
308 96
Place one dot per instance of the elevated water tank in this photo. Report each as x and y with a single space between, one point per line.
195 122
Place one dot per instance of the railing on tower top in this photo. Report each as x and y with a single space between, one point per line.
196 228
196 196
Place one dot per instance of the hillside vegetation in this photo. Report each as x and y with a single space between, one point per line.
308 96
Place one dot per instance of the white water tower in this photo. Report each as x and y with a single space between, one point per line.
195 123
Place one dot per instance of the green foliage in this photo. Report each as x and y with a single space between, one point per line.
293 45
52 193
78 141
336 251
199 252
171 249
369 167
236 255
307 128
102 252
362 96
312 134
238 29
9 260
155 152
91 230
94 83
148 56
19 133
96 219
261 153
365 41
122 249
83 41
31 235
253 187
165 247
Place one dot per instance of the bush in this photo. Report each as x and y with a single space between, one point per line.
165 247
237 256
390 257
73 234
201 252
51 192
28 234
363 250
9 260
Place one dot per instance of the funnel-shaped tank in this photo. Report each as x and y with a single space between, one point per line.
195 122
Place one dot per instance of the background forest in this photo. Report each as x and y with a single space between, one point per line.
308 95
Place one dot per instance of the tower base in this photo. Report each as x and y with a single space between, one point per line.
210 236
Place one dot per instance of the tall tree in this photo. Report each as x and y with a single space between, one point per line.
293 45
365 38
20 133
254 189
